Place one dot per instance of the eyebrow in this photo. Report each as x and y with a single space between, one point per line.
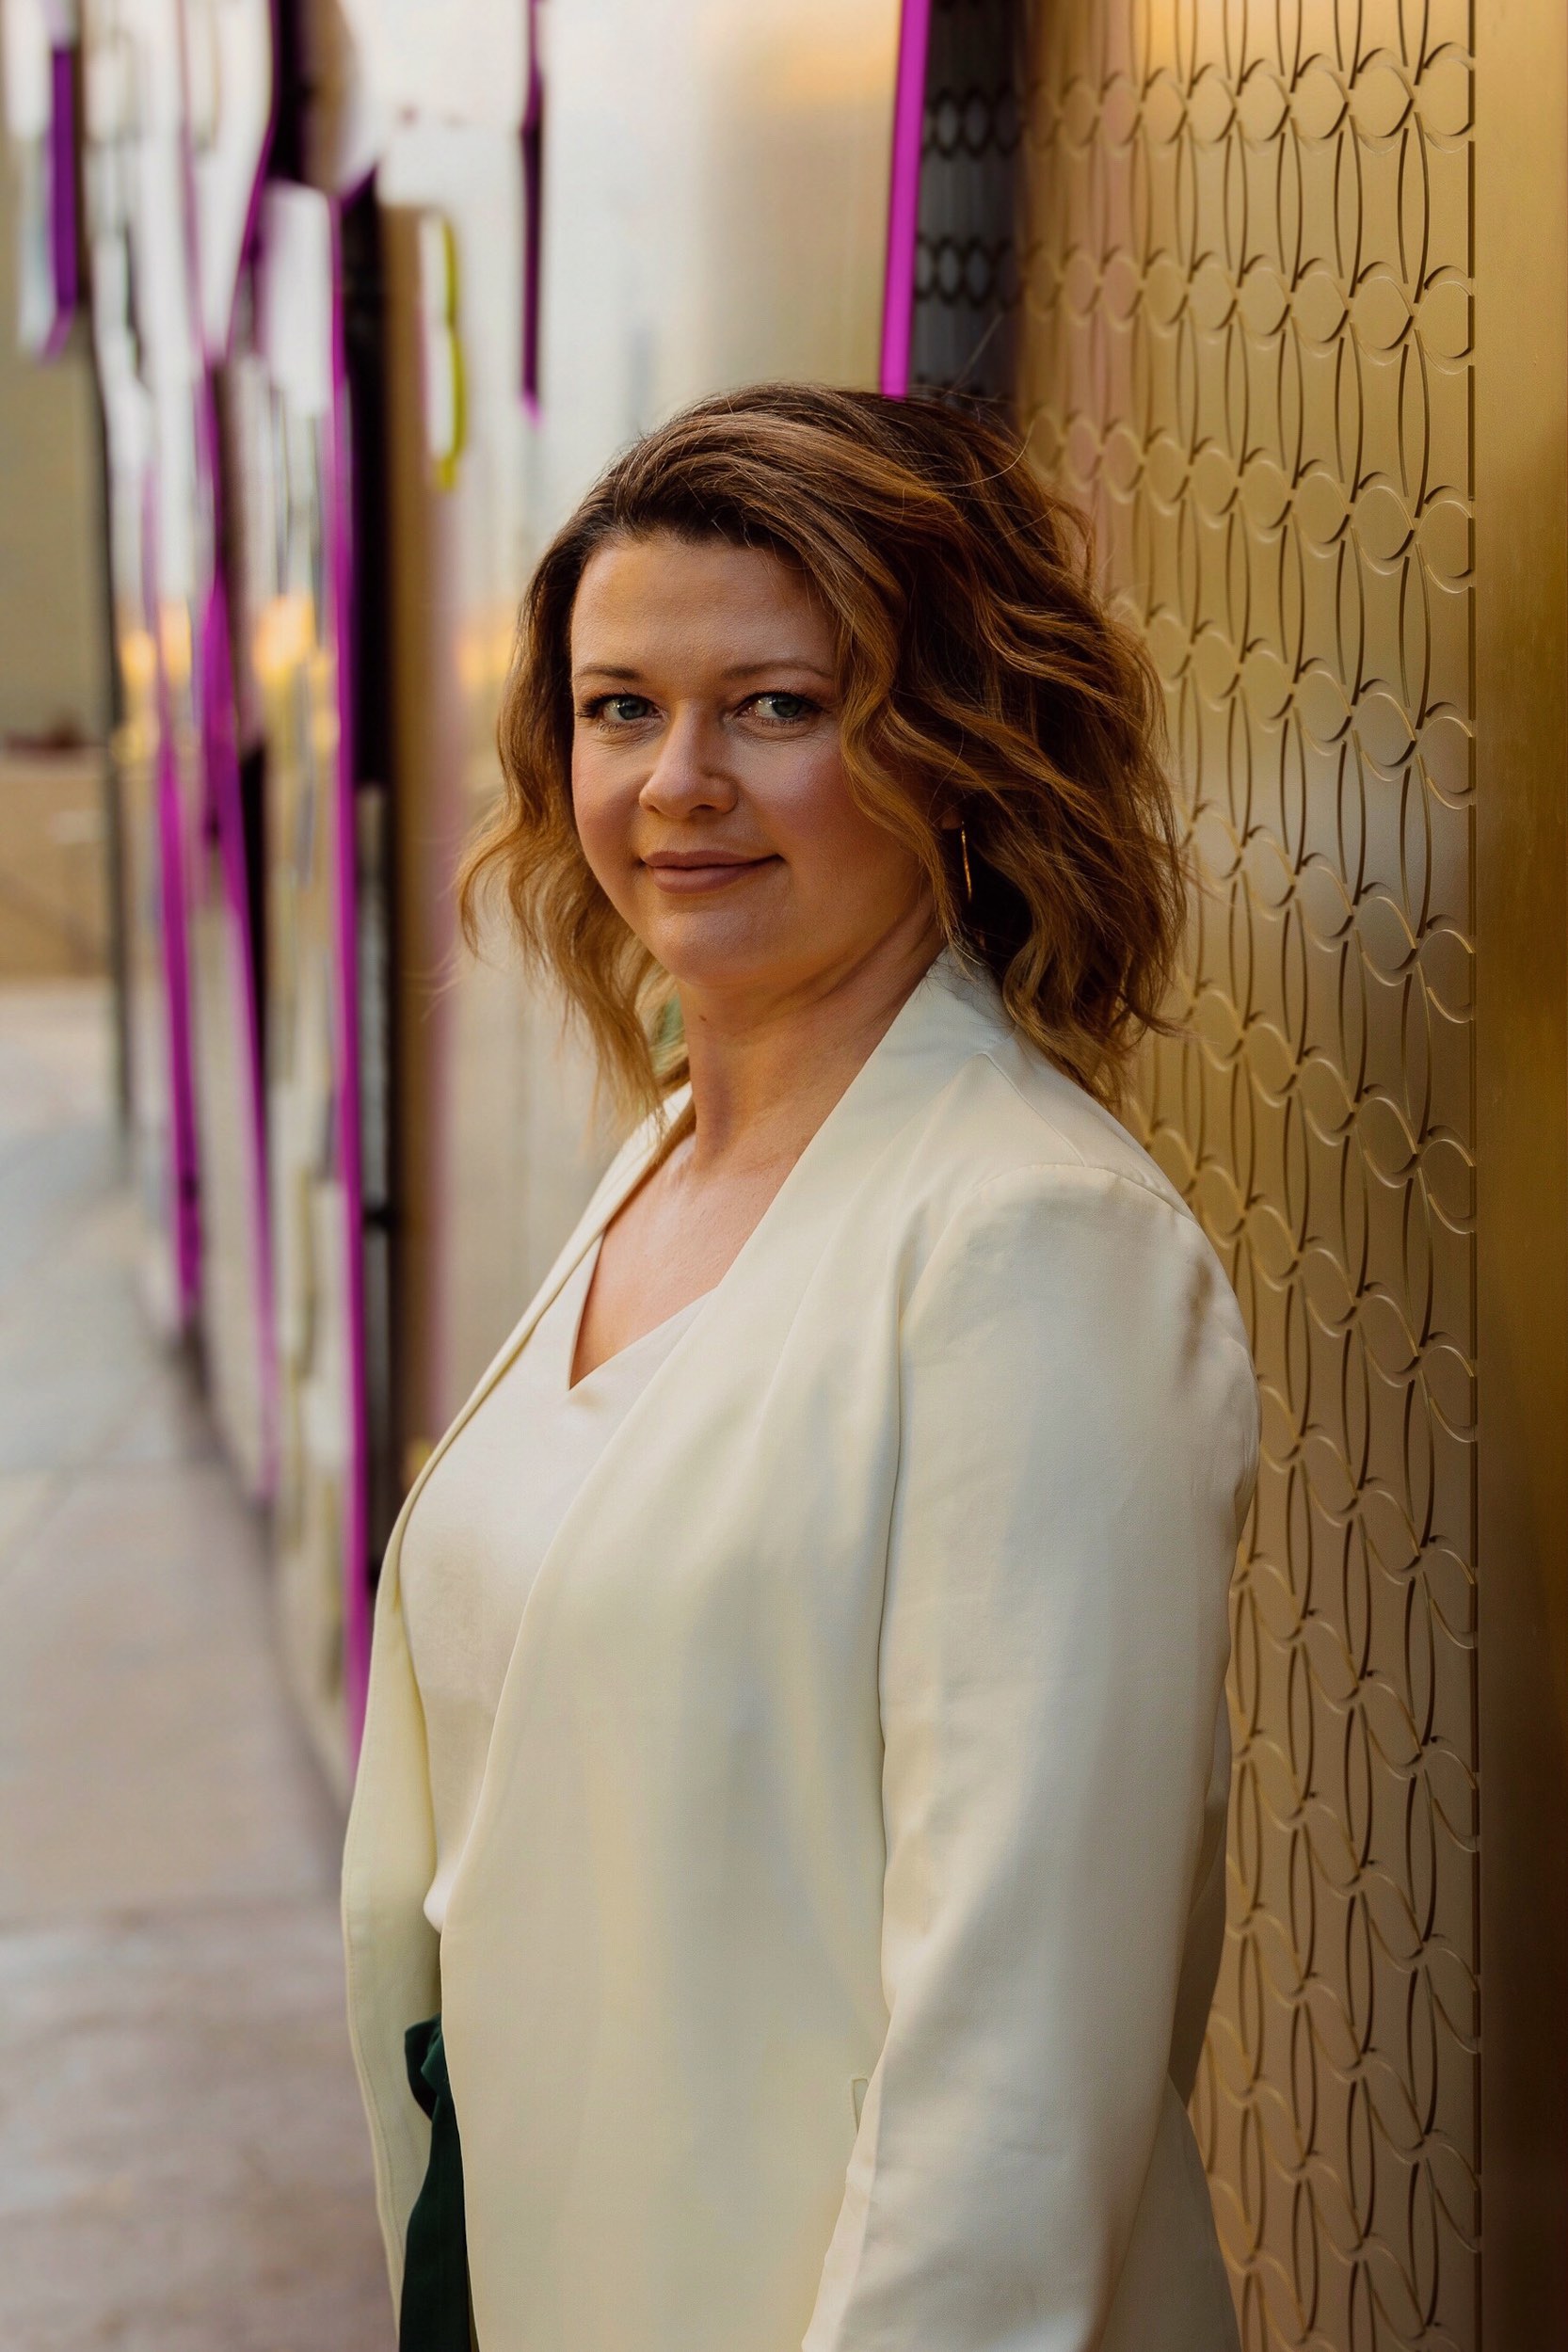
736 669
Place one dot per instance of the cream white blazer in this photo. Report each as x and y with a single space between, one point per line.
830 1956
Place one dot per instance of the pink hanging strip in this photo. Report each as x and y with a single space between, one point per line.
62 195
184 1169
339 522
184 1172
904 197
533 226
222 813
225 813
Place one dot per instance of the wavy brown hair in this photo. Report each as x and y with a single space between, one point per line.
982 677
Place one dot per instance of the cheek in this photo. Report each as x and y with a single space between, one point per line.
831 842
600 812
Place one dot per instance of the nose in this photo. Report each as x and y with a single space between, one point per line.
689 771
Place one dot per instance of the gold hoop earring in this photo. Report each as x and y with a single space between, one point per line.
963 854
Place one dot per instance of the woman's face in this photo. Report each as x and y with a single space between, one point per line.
707 776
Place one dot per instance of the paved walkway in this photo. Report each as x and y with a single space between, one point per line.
183 2164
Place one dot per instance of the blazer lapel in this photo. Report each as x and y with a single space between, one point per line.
389 1851
619 1181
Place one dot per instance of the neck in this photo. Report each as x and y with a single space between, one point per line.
767 1065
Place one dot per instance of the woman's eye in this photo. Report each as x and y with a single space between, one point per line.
620 710
781 709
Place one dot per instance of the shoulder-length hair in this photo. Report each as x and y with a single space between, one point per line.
982 680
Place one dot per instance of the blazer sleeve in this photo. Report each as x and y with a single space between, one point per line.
1079 1443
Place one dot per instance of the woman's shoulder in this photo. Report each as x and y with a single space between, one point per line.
1008 1113
1046 1233
1019 1169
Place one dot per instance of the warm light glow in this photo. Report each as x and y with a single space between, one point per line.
503 630
283 637
818 55
484 651
174 635
473 663
138 660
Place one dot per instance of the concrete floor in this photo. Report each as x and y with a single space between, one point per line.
182 2163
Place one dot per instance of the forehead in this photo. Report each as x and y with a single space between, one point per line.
644 601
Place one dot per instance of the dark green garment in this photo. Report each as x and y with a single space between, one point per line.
435 2311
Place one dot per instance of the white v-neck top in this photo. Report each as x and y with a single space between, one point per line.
483 1523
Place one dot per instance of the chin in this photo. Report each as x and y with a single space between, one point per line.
720 964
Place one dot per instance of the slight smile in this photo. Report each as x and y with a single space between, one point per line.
684 873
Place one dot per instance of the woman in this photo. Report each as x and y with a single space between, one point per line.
795 1763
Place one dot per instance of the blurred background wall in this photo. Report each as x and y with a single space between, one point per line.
54 647
54 597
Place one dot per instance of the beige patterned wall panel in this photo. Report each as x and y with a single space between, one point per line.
1245 263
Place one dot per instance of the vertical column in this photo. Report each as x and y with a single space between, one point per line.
1522 1154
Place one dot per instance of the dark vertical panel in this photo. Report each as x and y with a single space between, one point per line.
966 286
1522 1154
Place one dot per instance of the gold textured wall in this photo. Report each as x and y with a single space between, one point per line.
1245 269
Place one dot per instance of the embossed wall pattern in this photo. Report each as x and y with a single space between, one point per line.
1243 254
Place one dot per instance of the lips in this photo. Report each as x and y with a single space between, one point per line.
686 872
